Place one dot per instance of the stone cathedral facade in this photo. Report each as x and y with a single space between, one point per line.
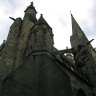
31 66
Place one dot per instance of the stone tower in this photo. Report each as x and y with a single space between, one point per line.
27 23
41 37
36 72
85 55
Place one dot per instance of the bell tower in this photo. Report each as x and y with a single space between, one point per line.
28 22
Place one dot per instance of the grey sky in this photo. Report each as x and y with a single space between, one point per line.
56 13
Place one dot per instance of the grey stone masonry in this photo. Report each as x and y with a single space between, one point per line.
30 65
27 23
8 57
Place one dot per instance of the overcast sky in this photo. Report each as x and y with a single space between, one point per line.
56 13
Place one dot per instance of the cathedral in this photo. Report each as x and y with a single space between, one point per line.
30 65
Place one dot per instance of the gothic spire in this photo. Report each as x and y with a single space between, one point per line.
41 20
78 37
75 27
31 6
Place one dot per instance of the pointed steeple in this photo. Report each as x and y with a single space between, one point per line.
78 37
41 20
75 27
85 55
31 6
30 10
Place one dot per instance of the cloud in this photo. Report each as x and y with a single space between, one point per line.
56 13
90 24
7 6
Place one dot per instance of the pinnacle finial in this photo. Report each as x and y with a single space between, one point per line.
31 6
71 13
32 3
41 15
